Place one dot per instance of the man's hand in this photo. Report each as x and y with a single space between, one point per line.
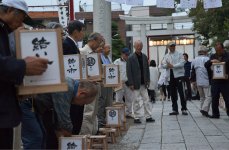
170 66
63 133
215 61
35 65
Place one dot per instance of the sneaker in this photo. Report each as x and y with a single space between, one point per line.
150 119
174 113
137 121
214 117
204 113
184 112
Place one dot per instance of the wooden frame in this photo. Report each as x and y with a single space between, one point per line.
46 44
84 73
94 68
73 66
111 76
219 70
113 116
74 143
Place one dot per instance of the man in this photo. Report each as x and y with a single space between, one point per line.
125 91
138 80
187 73
174 63
90 122
79 93
219 85
106 97
94 41
76 33
12 71
202 80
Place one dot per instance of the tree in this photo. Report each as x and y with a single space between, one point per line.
212 23
117 43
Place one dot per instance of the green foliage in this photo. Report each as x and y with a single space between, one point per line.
117 43
212 23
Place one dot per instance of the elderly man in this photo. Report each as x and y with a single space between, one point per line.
219 85
174 63
202 80
138 80
90 122
12 71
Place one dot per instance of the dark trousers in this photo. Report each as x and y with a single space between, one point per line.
176 85
188 95
76 114
164 89
216 89
151 94
6 138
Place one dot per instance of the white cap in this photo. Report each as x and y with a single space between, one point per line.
18 4
171 43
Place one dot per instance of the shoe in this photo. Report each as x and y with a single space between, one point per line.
204 113
184 112
150 119
168 99
137 121
174 113
129 117
214 117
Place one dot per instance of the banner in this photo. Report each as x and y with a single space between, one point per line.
212 4
134 2
117 1
165 3
63 12
188 3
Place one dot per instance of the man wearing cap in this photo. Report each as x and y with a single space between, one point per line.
202 80
12 71
125 90
174 63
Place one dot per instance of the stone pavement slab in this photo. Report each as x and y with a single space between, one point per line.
192 132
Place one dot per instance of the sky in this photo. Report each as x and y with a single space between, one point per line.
86 4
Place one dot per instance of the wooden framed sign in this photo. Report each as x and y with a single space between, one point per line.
113 116
219 70
73 143
84 74
45 44
111 76
72 66
94 68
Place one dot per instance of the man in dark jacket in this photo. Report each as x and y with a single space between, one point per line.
12 14
187 75
219 85
76 33
138 81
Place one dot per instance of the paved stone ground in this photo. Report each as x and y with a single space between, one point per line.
192 132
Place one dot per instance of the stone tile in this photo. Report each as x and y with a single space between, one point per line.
150 146
177 146
220 146
217 139
198 147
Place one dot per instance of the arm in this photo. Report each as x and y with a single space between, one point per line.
180 63
129 71
12 70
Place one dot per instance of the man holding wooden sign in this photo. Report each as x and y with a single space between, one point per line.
12 71
219 66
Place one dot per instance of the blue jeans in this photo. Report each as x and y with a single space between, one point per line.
31 130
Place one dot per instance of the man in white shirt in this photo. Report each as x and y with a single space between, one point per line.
125 90
174 63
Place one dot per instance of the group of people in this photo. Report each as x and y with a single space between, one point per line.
81 110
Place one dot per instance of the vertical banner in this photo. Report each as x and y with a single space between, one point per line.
134 2
212 4
165 3
63 12
188 3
